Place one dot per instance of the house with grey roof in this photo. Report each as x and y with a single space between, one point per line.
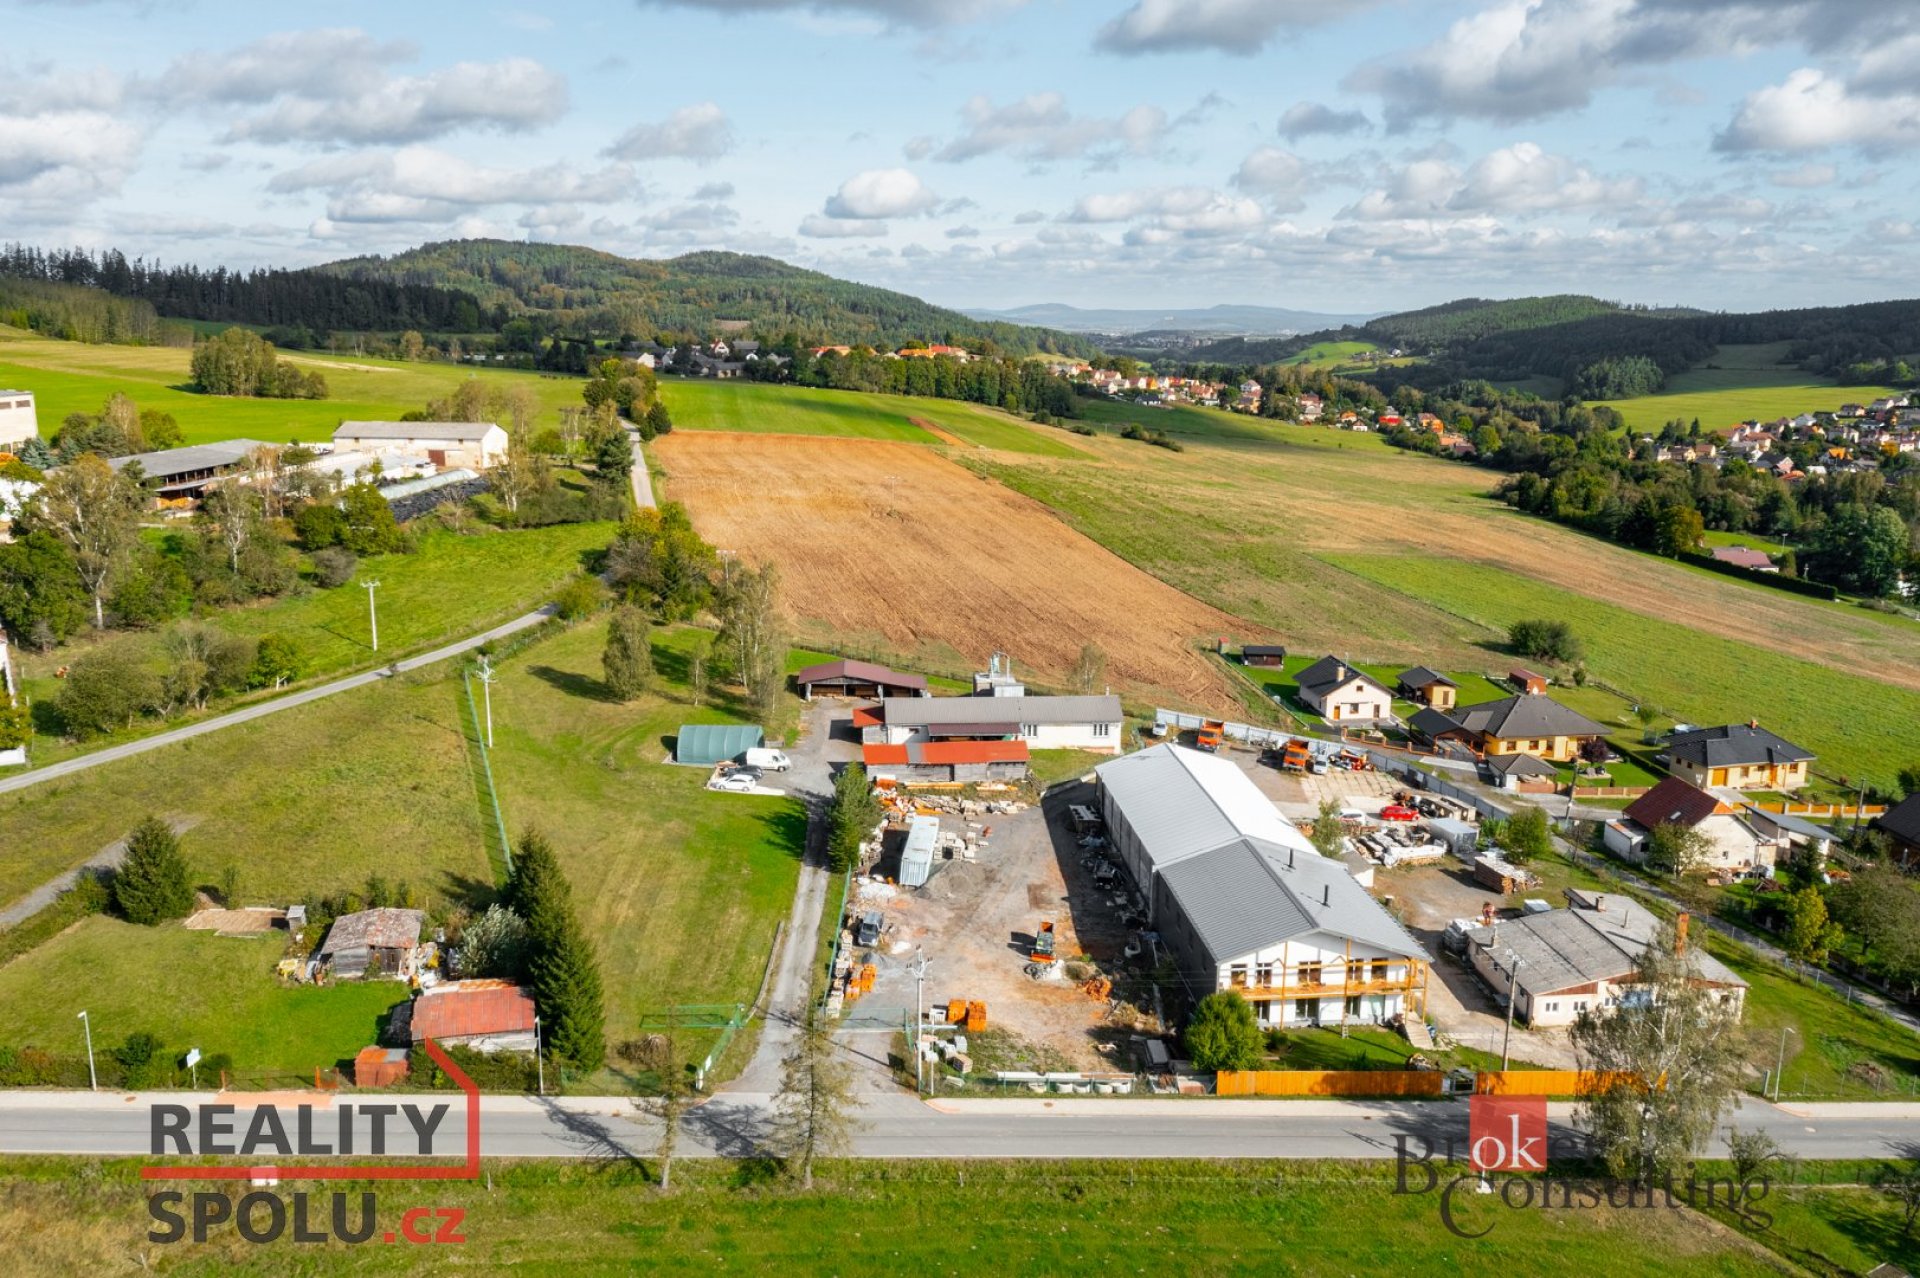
1339 693
1044 723
1530 723
1242 901
1744 756
1559 964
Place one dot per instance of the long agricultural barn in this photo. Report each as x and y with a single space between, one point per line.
478 445
848 678
1045 723
948 760
1244 903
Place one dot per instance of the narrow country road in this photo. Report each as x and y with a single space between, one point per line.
642 481
68 767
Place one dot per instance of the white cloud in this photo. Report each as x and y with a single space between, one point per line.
961 232
1273 172
890 13
1040 128
1242 27
816 227
881 193
318 64
423 184
701 133
1805 177
1305 119
65 157
1523 178
1812 111
701 216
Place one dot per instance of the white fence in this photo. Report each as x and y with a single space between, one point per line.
1243 732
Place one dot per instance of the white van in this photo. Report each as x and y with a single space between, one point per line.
768 760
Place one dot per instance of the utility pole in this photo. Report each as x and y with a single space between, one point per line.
539 1061
486 692
919 1017
93 1079
373 617
1781 1067
1513 996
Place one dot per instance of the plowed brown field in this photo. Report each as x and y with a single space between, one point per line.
894 541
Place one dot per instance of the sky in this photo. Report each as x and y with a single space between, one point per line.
1334 155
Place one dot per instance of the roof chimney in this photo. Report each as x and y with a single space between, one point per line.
1680 933
1600 903
1326 894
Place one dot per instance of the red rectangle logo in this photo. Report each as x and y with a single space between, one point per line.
1507 1133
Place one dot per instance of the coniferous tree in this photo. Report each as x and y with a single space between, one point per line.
565 973
152 884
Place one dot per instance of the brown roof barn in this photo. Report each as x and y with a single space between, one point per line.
485 1015
382 939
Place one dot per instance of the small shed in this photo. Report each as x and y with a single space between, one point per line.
1461 837
377 942
1523 773
916 857
379 1066
705 744
1270 655
1527 681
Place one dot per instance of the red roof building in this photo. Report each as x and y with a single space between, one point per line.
485 1015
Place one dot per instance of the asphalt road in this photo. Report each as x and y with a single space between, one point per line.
67 767
733 1125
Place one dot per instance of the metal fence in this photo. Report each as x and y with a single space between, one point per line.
498 847
1247 733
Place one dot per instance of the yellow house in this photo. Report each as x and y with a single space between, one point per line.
1744 756
1531 723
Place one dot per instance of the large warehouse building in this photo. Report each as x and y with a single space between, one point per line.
1244 903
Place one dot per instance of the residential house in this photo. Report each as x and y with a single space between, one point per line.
383 942
1242 902
1429 688
1734 842
847 678
1901 824
484 1015
1046 723
1341 694
1556 965
18 422
1744 756
1531 723
472 445
1744 557
1311 406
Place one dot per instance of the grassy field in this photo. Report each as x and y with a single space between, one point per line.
757 407
1198 1218
1330 353
1740 383
1185 420
70 377
1752 541
450 587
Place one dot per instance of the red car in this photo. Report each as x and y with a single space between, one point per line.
1396 812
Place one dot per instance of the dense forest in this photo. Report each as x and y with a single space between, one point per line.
693 296
74 313
1017 385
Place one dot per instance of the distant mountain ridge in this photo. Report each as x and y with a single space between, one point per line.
1224 318
696 294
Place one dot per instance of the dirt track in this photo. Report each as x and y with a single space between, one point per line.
894 541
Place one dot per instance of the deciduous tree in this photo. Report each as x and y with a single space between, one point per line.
751 625
1223 1034
1810 933
627 660
96 513
813 1109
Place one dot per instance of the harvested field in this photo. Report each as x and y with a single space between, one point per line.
895 541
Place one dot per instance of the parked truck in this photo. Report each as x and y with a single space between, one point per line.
1212 732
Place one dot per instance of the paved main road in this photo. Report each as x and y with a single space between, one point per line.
734 1125
67 767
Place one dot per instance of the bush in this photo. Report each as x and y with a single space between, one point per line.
579 598
334 566
493 1072
1223 1034
1546 640
320 525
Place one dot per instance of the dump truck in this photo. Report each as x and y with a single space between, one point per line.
1295 757
1211 733
1042 951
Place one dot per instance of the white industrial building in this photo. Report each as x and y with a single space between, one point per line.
1044 723
18 424
477 445
1242 901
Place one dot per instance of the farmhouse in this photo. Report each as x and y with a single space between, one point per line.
939 761
1744 756
1734 842
1244 903
1338 693
1429 688
1526 724
1046 723
1267 655
181 474
487 1016
857 679
18 423
1560 963
476 445
382 942
1901 823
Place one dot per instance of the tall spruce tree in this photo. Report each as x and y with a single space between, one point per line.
561 964
152 884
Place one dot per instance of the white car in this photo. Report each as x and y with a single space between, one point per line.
735 783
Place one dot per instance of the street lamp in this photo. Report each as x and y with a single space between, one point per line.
1513 995
539 1061
373 617
93 1079
486 689
919 1016
1781 1067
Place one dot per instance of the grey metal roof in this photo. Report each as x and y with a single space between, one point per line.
1734 745
413 430
1519 765
858 672
1331 672
918 712
1250 895
1429 722
1527 715
1579 946
1423 676
184 461
1182 802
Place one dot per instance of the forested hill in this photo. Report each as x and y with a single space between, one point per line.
696 295
1471 318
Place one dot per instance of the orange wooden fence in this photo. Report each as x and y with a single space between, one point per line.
1542 1082
1318 1082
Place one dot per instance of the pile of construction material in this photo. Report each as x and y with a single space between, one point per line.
1392 846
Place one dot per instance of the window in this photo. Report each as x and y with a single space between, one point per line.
1379 969
1029 729
1103 729
1309 973
1580 1005
1237 977
1553 1007
1263 975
